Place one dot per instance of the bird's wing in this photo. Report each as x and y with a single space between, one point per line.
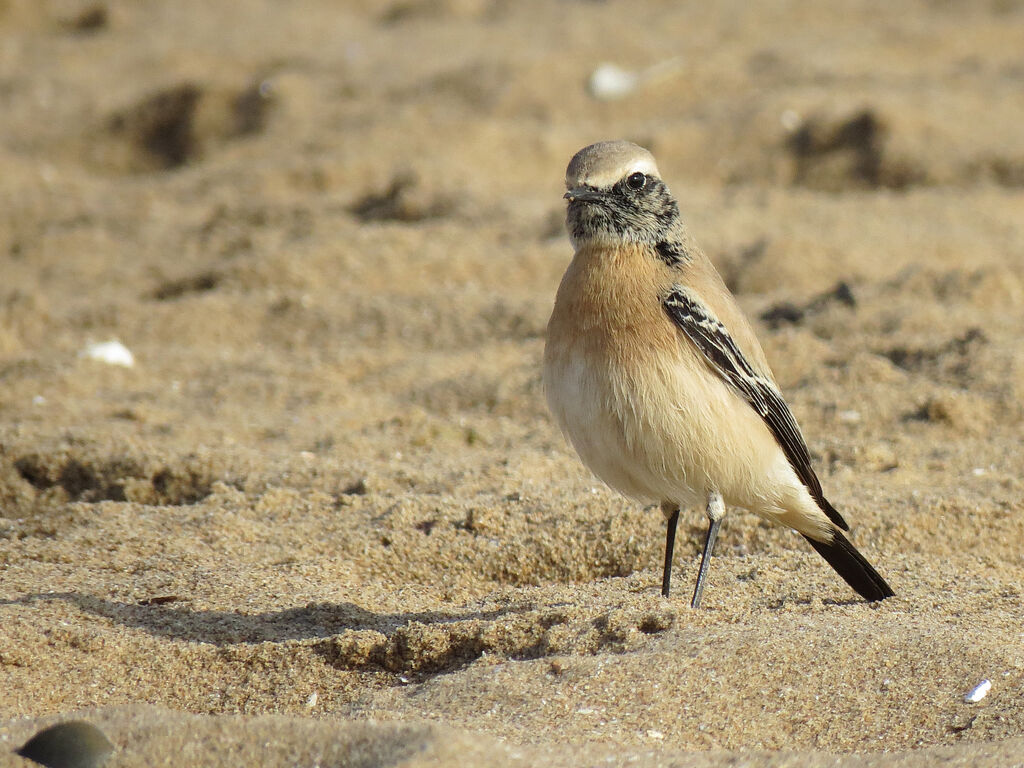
696 320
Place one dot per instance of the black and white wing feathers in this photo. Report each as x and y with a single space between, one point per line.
693 317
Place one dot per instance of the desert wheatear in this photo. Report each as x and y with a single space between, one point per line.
657 379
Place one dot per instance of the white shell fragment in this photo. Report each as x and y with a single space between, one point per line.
790 119
978 692
111 352
610 81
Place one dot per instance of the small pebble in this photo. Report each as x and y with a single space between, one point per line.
112 352
609 82
978 692
790 119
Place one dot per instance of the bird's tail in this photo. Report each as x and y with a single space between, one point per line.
853 567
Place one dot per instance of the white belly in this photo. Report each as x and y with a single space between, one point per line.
605 434
669 432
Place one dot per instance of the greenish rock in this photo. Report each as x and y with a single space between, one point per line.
74 744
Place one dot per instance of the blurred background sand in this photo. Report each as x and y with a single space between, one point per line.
327 493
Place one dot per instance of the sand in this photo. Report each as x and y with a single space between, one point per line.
324 517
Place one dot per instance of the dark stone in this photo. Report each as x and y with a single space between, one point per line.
74 744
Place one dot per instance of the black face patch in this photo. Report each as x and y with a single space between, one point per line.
630 211
670 252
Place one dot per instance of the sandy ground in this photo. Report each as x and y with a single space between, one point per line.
324 517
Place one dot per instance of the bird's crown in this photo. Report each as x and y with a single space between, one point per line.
603 164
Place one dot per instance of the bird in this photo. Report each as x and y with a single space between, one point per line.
657 379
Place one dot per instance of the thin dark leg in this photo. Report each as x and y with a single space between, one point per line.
715 512
670 545
705 561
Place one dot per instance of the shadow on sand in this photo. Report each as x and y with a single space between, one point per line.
312 621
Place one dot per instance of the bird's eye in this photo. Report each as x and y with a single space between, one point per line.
636 181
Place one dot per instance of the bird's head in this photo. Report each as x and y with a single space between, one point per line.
616 195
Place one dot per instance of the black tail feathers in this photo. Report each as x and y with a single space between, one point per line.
851 565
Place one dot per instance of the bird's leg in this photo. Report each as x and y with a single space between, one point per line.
672 514
715 511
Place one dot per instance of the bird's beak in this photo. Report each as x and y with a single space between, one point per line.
584 195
